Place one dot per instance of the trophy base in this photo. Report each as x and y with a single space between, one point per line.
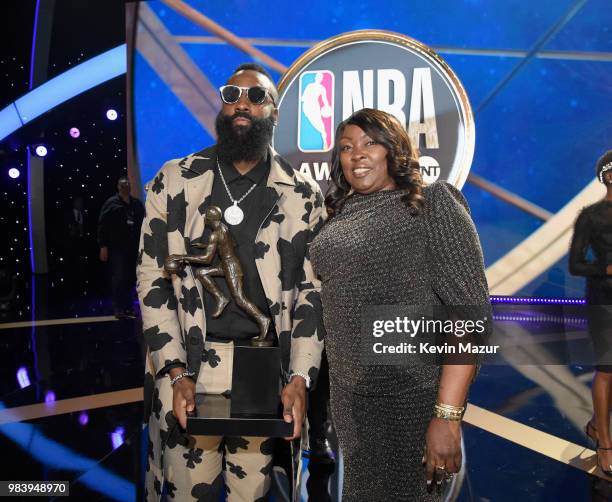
256 342
214 418
253 408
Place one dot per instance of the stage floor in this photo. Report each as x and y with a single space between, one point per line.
71 410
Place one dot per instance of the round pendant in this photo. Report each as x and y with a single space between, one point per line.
233 215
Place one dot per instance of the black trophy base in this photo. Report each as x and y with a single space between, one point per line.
214 418
254 407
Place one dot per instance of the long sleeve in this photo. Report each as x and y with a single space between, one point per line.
158 303
457 266
578 263
307 332
455 252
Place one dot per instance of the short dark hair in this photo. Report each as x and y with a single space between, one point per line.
262 71
253 67
606 158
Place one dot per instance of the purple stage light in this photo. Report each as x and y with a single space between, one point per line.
50 397
23 378
537 301
41 150
111 114
565 320
74 132
83 418
117 437
14 173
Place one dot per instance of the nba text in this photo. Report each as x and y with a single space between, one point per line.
359 87
358 92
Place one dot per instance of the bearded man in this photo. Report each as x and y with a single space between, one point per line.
273 212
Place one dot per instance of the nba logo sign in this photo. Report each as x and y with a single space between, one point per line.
316 111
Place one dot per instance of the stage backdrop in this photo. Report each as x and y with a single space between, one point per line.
538 77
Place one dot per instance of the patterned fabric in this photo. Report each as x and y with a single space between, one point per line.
237 463
174 324
376 253
216 372
197 467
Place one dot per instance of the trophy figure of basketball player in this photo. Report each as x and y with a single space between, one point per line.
222 242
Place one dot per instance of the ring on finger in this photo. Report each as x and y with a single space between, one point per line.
441 467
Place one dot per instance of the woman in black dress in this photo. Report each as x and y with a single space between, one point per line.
593 229
390 241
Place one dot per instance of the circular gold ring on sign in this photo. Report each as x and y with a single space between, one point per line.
398 39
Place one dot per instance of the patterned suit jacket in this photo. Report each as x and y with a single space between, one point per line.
174 322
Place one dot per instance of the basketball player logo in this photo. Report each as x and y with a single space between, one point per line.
316 111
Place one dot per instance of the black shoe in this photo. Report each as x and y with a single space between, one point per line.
320 451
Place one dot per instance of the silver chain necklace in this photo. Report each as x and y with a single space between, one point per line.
233 214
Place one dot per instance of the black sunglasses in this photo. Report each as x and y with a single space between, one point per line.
230 94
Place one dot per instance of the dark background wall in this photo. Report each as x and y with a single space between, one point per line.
87 166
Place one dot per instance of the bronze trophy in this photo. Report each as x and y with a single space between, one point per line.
222 242
254 407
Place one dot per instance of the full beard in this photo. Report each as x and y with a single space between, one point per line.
243 143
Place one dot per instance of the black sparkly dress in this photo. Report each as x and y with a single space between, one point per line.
593 230
374 252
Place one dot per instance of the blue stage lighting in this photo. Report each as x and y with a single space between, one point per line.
83 418
81 78
41 150
22 373
50 398
117 437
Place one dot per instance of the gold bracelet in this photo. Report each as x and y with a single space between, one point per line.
445 415
448 412
450 407
459 410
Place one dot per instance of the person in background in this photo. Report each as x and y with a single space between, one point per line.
75 218
118 237
75 240
593 230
